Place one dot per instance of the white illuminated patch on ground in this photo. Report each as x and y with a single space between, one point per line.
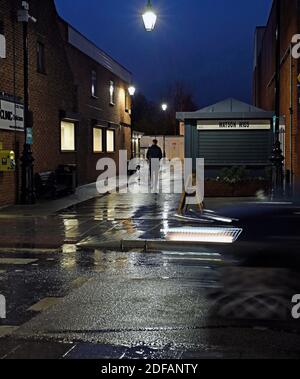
209 235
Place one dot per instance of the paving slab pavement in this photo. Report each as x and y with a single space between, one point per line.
101 302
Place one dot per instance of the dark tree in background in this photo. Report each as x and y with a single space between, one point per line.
148 117
144 115
179 98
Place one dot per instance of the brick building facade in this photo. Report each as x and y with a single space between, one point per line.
103 102
264 79
62 72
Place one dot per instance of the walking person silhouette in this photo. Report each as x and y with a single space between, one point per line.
154 156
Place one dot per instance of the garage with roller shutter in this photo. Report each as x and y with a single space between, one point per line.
229 133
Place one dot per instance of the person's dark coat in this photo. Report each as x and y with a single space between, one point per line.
154 152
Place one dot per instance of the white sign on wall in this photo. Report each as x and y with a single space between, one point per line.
233 125
11 116
2 46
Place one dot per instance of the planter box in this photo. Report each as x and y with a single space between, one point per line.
247 188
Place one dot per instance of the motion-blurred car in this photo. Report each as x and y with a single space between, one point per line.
261 243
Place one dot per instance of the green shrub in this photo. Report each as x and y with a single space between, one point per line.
233 175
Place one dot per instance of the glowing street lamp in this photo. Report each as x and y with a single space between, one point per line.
131 90
149 17
164 107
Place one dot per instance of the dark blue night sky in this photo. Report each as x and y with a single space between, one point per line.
206 43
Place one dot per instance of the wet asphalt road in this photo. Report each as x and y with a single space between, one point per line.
66 302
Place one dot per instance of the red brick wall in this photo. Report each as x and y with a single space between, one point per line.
66 86
49 93
264 85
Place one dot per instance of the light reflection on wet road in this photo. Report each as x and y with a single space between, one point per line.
157 300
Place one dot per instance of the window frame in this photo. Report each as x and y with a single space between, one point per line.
41 64
102 140
61 147
112 94
94 84
127 102
114 141
1 26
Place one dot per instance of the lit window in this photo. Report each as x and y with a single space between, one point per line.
2 41
110 141
41 58
94 84
112 93
127 102
97 138
67 136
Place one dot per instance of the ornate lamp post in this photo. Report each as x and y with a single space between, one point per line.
149 17
164 107
131 91
27 186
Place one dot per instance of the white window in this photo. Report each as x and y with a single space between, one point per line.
67 136
2 46
2 41
97 138
112 93
110 141
94 84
